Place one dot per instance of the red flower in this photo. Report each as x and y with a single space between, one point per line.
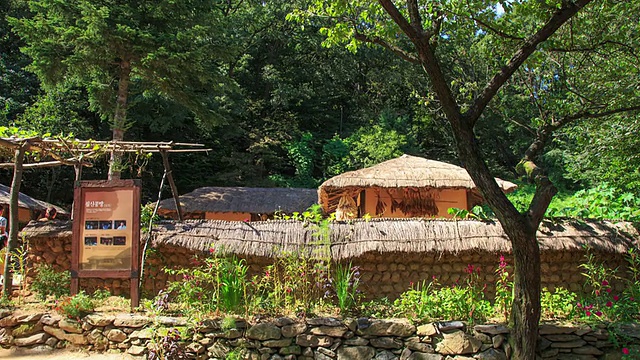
609 304
469 269
616 298
605 283
625 351
599 313
597 292
608 290
588 313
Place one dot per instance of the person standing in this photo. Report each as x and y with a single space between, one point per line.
3 229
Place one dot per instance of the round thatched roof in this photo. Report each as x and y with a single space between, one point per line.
243 199
405 171
26 201
410 171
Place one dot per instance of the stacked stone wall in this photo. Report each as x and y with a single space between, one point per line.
314 338
387 274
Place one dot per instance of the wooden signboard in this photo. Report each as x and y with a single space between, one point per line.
106 232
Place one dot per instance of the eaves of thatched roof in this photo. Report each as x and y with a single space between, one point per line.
244 199
357 237
26 201
48 229
409 171
352 239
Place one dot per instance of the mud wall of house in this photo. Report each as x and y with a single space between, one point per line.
444 199
387 274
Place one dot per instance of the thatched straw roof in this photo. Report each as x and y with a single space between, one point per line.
352 239
49 229
244 199
410 171
26 201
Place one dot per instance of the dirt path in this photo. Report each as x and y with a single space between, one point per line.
36 354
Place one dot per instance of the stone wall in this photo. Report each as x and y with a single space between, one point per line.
314 338
387 274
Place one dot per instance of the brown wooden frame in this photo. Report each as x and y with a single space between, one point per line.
134 273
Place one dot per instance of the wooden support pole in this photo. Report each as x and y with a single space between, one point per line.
13 218
172 184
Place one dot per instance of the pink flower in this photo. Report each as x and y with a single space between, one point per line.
469 269
588 313
608 290
616 298
609 304
578 305
625 351
597 292
605 283
589 307
598 313
632 299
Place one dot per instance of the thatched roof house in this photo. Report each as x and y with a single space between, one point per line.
28 208
239 203
407 186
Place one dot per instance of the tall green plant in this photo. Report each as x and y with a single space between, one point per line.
346 282
217 283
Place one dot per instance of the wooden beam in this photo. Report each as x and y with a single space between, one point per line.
13 218
172 184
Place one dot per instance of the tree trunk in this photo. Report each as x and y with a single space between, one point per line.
120 118
525 312
13 219
521 230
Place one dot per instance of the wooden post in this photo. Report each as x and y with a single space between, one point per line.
13 218
172 184
78 169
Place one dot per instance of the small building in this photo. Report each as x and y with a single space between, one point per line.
239 203
28 207
404 187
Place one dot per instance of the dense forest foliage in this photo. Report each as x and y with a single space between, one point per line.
281 105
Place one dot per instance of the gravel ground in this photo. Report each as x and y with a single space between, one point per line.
37 354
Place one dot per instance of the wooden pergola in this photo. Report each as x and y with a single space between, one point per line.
79 154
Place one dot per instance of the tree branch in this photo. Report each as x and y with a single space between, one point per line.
396 50
496 31
561 16
414 16
629 48
397 17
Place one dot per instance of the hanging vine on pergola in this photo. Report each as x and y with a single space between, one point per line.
36 152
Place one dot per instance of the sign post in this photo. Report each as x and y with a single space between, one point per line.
106 233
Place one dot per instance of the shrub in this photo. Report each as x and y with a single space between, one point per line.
50 282
76 307
557 305
167 346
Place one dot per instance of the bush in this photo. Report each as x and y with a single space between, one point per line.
76 307
50 282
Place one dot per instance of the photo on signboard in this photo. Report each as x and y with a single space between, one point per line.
91 225
91 240
106 225
120 224
106 240
119 240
